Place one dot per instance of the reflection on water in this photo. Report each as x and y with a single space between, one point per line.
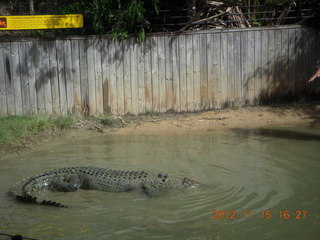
248 173
278 133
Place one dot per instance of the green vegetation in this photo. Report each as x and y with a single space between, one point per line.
13 128
119 18
150 113
107 120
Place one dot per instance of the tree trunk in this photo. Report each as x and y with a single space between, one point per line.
31 6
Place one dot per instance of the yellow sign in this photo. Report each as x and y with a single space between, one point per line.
41 22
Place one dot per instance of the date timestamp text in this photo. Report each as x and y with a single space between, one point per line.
267 214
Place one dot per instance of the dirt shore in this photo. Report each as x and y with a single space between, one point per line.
249 117
184 123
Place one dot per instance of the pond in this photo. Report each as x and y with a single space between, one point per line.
263 184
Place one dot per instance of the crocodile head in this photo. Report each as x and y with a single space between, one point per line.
189 183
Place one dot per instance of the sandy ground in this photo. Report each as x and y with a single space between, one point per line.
250 117
185 123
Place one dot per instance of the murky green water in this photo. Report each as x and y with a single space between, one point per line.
252 171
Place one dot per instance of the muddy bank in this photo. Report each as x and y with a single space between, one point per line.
184 123
249 117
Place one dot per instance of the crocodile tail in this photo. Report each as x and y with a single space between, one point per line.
31 199
22 192
52 203
27 198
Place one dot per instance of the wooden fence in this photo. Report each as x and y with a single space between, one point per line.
183 72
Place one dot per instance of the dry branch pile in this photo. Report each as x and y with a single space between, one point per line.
214 14
205 14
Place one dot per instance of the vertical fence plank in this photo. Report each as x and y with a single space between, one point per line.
251 79
54 80
112 81
76 76
237 69
134 76
244 67
147 75
176 73
126 77
162 74
190 64
68 76
8 78
94 68
216 70
61 77
305 63
312 53
224 70
183 73
119 76
98 74
264 66
3 90
46 76
168 73
203 72
91 77
271 66
83 45
141 83
31 75
230 69
15 77
298 45
15 69
211 83
155 75
257 68
140 77
284 81
292 63
301 45
39 76
278 63
25 93
196 71
105 53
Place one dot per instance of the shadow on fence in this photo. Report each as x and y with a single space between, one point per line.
183 72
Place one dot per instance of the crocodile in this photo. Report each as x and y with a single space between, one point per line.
70 179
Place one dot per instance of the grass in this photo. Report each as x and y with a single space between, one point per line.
107 120
150 113
14 128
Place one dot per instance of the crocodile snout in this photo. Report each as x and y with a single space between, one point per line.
189 183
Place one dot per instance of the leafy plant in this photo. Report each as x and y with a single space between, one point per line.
119 18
